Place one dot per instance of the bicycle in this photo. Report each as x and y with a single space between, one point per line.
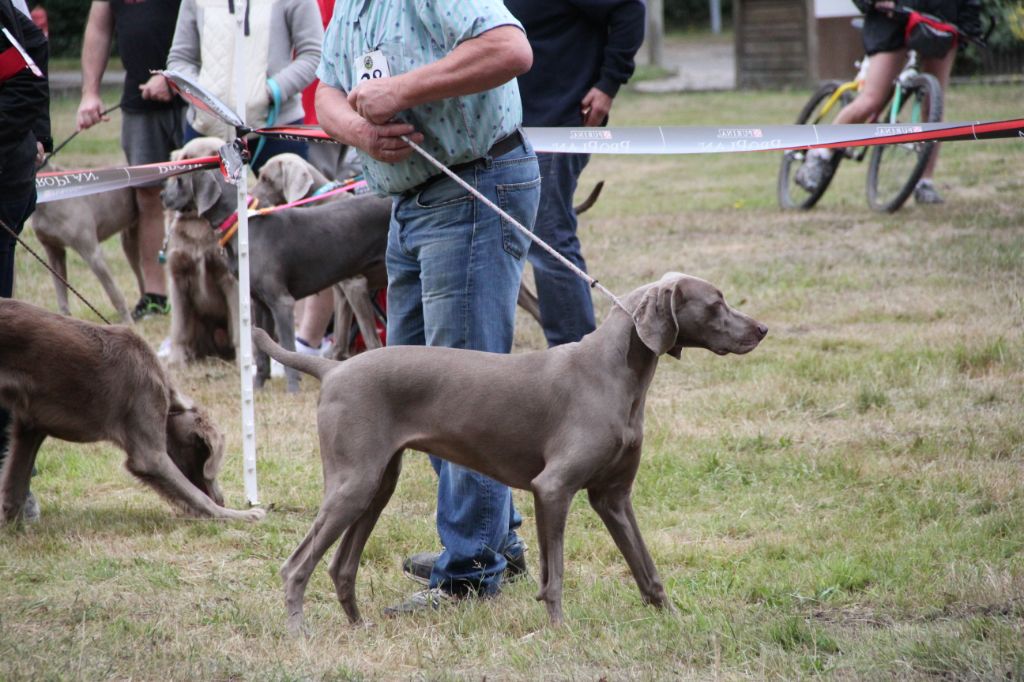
891 183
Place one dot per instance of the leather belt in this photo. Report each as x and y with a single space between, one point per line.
503 146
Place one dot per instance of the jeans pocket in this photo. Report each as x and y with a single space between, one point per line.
442 193
520 201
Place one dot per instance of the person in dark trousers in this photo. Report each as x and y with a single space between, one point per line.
582 54
24 138
151 116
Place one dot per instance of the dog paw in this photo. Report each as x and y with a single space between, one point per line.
255 514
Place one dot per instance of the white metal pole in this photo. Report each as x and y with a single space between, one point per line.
244 300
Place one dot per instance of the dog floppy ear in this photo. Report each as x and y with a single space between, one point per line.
655 318
206 189
297 182
214 440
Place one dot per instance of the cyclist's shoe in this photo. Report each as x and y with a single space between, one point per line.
812 173
925 193
151 304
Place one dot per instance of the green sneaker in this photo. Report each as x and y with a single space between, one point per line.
151 304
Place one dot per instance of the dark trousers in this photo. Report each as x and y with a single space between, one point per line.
566 309
14 211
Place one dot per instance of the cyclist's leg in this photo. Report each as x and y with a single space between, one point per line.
882 71
940 68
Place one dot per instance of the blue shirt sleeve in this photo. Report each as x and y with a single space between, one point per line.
452 23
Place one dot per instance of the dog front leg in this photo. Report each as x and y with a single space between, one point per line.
551 498
99 268
262 319
17 470
616 510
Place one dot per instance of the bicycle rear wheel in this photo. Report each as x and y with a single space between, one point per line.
893 170
790 194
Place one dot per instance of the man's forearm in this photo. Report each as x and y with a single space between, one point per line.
481 63
336 115
96 47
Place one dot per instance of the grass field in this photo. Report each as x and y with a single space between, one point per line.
847 501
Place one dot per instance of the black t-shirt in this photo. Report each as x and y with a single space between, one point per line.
144 29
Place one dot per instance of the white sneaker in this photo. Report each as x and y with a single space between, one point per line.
301 347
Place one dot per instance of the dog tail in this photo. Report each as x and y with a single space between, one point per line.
590 200
314 365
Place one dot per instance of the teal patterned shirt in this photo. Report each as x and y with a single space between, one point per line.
411 34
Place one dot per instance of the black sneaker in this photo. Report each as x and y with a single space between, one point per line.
419 566
151 304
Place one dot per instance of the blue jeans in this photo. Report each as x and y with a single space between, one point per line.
454 268
271 147
566 309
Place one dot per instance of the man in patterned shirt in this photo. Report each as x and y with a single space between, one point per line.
444 74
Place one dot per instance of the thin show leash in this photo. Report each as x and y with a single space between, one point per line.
47 266
594 284
71 137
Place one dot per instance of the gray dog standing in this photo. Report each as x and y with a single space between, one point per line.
553 422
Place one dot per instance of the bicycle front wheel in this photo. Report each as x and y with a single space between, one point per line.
820 108
894 169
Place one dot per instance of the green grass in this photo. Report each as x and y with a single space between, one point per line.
847 501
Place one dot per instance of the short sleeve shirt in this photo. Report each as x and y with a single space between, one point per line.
411 34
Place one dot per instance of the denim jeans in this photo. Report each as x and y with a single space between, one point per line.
454 267
566 309
14 211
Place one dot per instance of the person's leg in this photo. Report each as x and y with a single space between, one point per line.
941 69
566 308
149 137
316 315
882 71
471 265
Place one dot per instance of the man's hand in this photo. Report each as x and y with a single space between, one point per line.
40 154
377 100
156 89
595 107
384 142
90 111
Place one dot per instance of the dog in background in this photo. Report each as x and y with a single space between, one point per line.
81 223
202 291
84 383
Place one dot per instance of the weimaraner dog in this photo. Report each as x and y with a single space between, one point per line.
84 383
553 422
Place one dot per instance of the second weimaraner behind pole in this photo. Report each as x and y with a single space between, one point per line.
553 422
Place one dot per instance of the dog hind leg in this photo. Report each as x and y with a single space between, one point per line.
14 479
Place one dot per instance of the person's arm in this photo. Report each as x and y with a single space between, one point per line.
25 97
307 35
183 56
625 21
341 122
490 59
99 32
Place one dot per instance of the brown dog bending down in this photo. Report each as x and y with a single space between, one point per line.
553 422
81 382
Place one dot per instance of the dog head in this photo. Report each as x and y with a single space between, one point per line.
196 447
198 193
284 178
679 311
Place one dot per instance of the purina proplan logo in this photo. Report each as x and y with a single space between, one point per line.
897 130
739 133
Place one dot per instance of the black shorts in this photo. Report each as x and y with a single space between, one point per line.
882 34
